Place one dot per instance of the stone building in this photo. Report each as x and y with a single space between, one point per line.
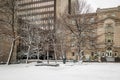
107 32
109 29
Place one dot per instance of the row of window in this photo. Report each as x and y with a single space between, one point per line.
39 16
83 20
106 15
104 54
36 11
109 54
44 22
35 5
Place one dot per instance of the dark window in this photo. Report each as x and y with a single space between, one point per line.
109 40
109 48
103 54
115 54
73 54
110 54
69 7
92 53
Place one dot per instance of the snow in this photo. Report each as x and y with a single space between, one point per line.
69 71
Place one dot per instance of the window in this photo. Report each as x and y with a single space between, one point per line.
109 40
109 28
116 54
82 53
105 16
107 54
92 53
83 34
91 20
91 43
72 45
110 54
109 48
109 33
73 54
73 22
82 20
113 15
103 54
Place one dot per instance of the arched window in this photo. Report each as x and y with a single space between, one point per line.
116 54
109 28
73 54
107 54
110 54
109 33
103 54
92 53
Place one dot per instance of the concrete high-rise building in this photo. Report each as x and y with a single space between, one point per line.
39 11
43 13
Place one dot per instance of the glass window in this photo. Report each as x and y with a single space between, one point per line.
109 28
109 40
113 15
109 35
103 54
116 54
110 54
73 54
73 22
92 20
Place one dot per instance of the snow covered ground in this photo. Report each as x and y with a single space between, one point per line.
69 71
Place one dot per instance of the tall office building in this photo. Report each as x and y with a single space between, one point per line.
43 14
39 12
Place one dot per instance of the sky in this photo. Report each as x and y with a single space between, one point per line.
103 3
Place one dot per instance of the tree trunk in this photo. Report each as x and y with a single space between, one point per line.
55 53
47 54
11 51
13 30
28 52
38 53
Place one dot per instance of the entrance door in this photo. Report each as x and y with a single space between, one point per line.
109 57
109 52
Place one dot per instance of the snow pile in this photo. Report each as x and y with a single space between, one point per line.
69 71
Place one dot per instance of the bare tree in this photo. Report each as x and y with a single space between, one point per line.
8 8
42 39
80 24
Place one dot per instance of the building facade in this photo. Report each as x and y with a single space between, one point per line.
107 41
109 29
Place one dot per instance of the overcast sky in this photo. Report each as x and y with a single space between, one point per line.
103 3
